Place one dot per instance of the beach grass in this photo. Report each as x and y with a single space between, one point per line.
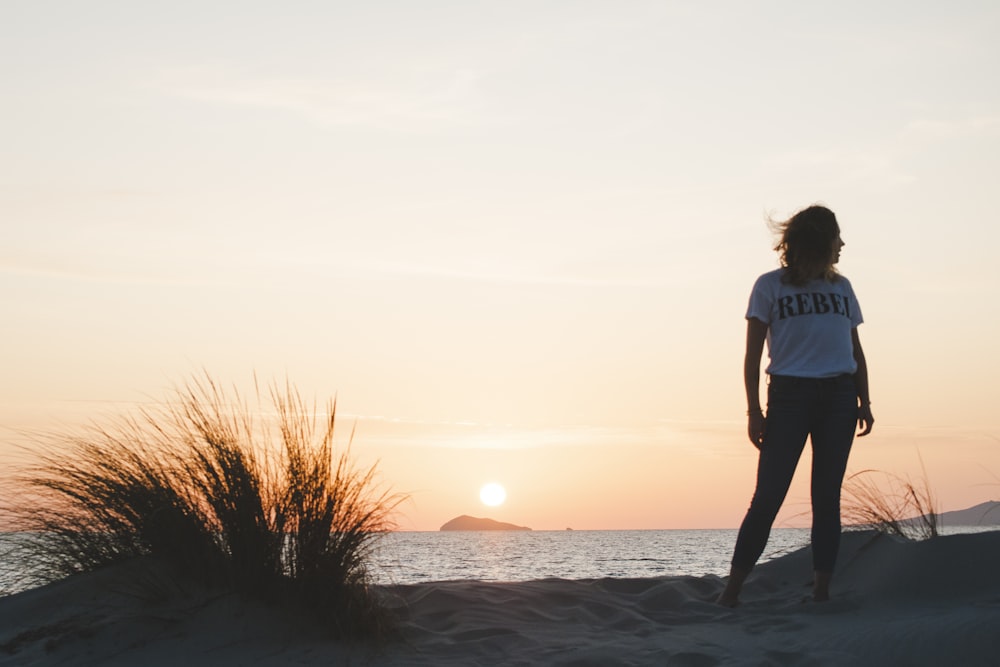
889 503
259 500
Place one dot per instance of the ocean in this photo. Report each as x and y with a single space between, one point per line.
415 557
410 558
418 557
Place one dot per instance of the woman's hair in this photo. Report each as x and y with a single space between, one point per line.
806 245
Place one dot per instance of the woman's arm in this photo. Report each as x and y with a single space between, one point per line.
865 418
756 334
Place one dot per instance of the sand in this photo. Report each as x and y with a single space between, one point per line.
895 603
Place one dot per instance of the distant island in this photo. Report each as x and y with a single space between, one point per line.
466 522
983 514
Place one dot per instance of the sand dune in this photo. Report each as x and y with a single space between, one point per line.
896 603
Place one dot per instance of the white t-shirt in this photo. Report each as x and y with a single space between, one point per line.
809 327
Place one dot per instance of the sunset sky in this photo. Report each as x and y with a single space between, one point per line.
515 239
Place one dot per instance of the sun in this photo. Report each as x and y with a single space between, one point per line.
492 494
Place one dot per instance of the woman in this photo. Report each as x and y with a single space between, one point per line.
818 388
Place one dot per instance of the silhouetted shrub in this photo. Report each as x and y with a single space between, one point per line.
263 504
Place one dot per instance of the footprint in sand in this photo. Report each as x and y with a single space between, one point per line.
770 623
693 659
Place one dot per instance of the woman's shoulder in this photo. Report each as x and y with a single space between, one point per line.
841 279
776 281
771 277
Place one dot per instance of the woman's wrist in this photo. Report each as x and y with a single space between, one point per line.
754 411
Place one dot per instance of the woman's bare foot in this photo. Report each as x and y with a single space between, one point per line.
821 586
727 600
730 596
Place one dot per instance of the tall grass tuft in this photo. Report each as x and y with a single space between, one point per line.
261 503
898 506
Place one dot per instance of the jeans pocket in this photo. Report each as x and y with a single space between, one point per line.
784 392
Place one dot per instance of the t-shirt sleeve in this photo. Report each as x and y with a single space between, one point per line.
856 317
761 300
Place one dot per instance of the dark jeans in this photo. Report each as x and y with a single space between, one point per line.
825 409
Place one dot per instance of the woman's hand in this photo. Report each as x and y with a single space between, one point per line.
865 419
756 425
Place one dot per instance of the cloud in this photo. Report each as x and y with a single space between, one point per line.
510 275
707 438
869 164
75 271
977 126
407 101
886 162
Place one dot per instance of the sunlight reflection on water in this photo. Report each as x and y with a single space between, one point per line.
579 554
414 557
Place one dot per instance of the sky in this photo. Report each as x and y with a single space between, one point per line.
515 240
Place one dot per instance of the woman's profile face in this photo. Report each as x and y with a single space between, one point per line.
838 243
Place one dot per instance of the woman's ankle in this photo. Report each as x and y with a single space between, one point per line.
821 585
730 596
